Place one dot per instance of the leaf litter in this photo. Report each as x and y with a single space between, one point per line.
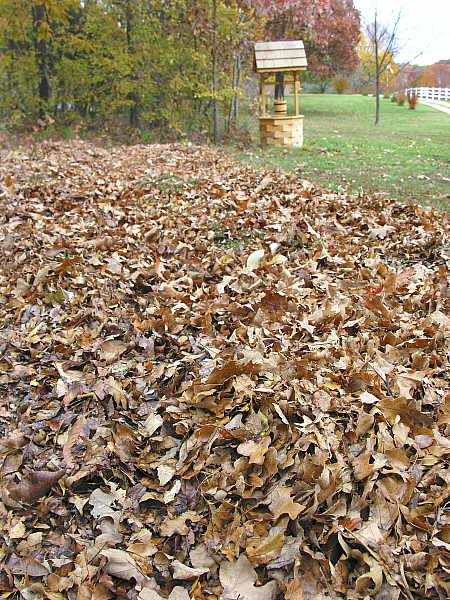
235 387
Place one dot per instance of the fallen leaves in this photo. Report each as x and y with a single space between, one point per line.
235 388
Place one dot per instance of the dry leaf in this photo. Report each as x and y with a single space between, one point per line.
165 473
26 566
17 531
122 565
152 424
281 503
178 525
256 451
266 550
34 485
254 259
181 571
294 590
178 593
110 350
238 580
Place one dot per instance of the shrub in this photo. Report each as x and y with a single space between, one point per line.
412 100
401 99
394 98
341 85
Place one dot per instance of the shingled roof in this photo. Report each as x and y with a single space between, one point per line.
280 56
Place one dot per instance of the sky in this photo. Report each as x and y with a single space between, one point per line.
424 27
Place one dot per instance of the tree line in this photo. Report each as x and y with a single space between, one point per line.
162 65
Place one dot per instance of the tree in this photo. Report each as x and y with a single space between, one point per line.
366 71
28 36
382 46
41 47
330 30
441 72
215 83
427 78
246 26
171 66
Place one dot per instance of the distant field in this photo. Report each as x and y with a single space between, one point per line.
406 157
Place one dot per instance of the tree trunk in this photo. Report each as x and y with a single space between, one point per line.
132 96
39 16
236 96
215 85
377 73
377 99
234 104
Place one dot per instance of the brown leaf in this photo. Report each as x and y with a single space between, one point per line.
181 571
15 441
178 593
34 485
265 550
26 566
79 428
294 590
238 580
281 503
122 565
256 451
170 526
110 350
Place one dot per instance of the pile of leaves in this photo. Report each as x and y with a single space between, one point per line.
217 382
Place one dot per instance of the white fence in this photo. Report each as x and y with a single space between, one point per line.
430 93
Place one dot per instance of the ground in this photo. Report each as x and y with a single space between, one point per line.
217 382
406 157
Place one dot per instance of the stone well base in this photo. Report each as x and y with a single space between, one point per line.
281 131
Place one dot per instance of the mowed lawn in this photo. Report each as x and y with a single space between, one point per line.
405 157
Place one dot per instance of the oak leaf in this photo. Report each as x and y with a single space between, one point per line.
178 525
281 503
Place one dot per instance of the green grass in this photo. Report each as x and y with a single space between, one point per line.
406 157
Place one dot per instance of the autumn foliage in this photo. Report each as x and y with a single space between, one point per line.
217 382
330 30
158 66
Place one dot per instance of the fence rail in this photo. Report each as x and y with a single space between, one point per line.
430 93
